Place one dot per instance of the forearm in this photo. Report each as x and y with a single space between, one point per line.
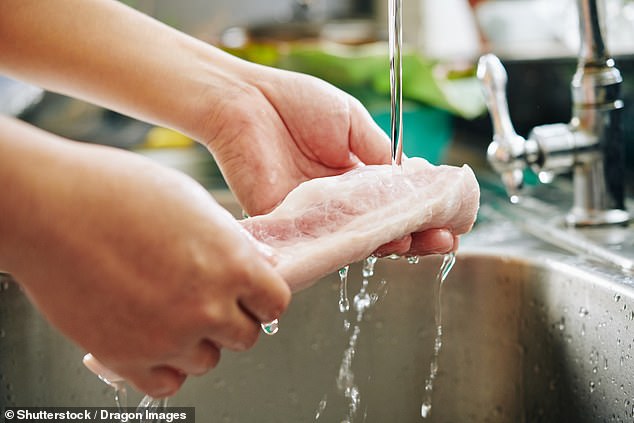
29 171
106 53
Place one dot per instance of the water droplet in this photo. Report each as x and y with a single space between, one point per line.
321 407
343 272
270 328
583 312
425 410
413 259
592 386
344 304
381 290
368 267
561 325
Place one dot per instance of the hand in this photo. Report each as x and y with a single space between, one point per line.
133 261
288 128
268 129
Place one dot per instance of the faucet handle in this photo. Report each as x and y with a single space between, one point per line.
507 153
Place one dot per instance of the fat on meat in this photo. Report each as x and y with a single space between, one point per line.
326 223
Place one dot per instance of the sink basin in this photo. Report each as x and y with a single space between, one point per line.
545 338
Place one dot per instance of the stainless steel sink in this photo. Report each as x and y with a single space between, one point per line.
530 334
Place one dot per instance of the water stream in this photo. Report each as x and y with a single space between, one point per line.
151 406
395 35
446 266
362 301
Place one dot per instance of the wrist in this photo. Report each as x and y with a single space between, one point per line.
227 100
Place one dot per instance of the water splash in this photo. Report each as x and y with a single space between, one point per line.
447 264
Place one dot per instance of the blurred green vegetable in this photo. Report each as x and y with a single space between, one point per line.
361 68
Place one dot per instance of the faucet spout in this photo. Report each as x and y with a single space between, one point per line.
599 172
591 145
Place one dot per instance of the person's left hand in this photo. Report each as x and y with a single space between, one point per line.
284 128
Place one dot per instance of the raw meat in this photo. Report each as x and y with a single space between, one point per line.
327 223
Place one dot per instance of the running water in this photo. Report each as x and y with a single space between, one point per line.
361 302
395 35
120 395
445 268
151 406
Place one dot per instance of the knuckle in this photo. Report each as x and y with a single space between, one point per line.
214 315
209 361
280 302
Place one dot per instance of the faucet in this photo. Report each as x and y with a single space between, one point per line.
591 145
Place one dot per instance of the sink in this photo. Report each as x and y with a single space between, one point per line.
530 334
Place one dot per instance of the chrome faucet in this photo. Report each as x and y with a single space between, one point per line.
591 145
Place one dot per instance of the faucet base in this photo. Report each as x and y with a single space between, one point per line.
579 217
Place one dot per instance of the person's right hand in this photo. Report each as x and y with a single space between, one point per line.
134 262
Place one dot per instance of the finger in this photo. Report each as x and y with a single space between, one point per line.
398 246
267 295
236 330
157 382
198 360
456 242
100 370
367 140
432 241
